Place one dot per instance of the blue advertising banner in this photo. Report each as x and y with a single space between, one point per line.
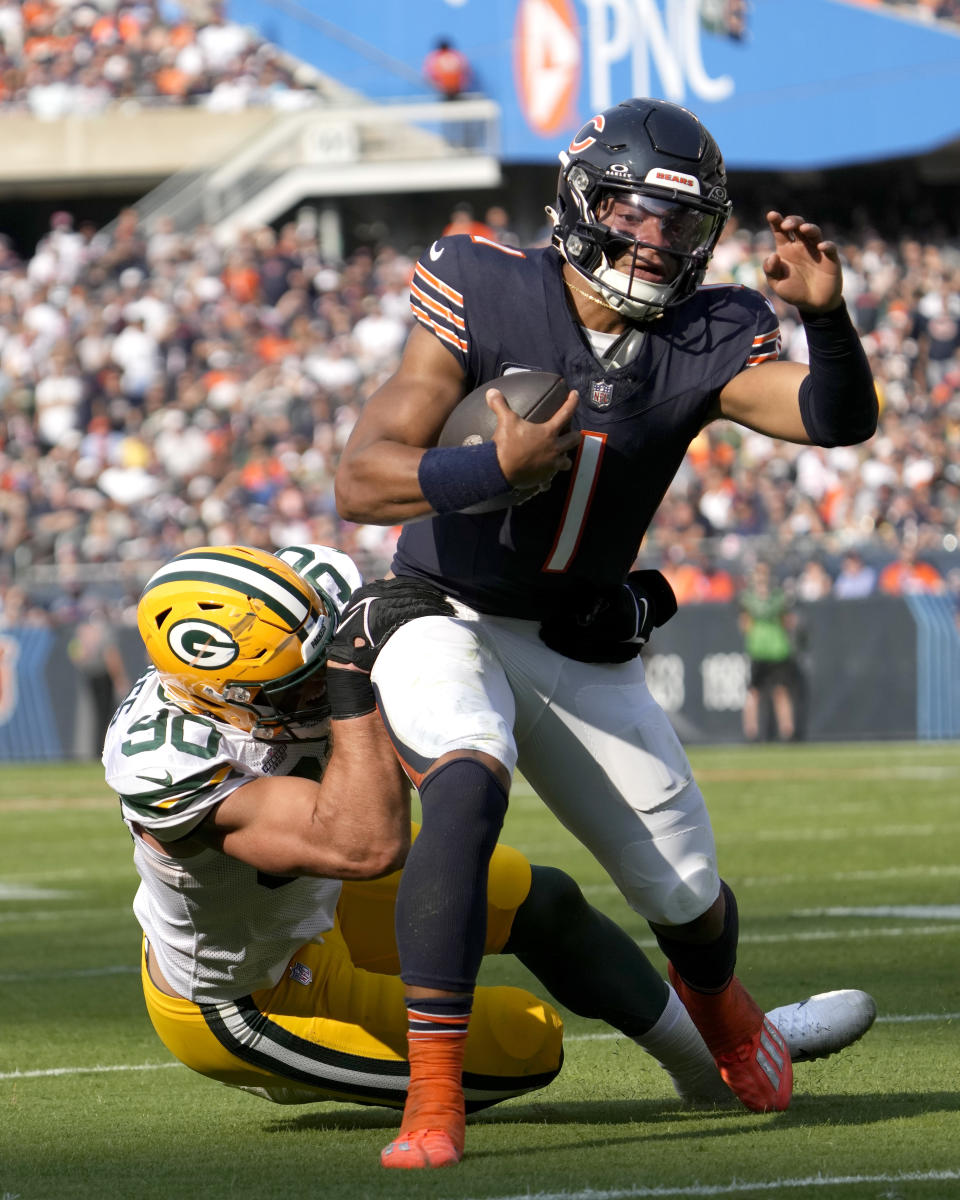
782 84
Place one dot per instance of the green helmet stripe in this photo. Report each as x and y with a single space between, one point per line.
249 579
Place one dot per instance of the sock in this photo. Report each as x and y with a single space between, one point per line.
441 912
706 966
677 1046
437 1038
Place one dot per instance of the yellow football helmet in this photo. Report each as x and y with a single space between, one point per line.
235 632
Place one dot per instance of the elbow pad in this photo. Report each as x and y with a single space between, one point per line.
838 400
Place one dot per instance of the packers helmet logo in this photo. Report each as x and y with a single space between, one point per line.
202 644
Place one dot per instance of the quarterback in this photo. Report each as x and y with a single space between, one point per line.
260 789
539 667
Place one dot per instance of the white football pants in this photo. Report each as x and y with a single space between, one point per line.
590 740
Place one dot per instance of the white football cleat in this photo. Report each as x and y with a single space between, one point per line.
823 1024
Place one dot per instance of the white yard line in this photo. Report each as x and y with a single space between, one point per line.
737 1187
87 1070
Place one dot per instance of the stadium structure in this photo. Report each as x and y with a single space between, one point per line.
333 119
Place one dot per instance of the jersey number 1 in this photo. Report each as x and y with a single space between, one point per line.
583 483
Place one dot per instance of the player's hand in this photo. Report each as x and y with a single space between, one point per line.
531 454
376 611
616 626
803 269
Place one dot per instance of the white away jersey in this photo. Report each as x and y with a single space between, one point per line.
220 929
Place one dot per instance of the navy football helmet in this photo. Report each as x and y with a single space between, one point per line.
644 178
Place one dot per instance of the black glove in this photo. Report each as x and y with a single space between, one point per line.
617 625
373 613
377 610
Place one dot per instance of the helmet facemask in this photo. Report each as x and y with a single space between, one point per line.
641 247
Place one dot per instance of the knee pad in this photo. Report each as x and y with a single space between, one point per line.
675 898
515 1038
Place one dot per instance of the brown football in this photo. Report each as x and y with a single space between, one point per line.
533 395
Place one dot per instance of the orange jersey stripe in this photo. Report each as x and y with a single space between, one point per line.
441 310
444 334
443 288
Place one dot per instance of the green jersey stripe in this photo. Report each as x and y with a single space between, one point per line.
185 789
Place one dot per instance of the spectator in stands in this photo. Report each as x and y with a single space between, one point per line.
855 578
909 575
447 69
462 220
285 370
814 581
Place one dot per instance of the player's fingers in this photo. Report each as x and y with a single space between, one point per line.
810 232
564 414
790 226
496 401
773 267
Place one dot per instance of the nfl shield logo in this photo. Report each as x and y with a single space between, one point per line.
601 394
301 973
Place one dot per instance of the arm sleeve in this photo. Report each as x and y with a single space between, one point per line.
838 399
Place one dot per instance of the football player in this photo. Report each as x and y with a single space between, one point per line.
259 788
540 666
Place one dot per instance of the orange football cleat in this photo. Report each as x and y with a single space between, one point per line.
750 1053
425 1148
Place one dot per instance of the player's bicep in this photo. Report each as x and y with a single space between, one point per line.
377 479
766 398
412 405
266 823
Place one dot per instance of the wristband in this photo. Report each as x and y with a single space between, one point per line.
455 477
838 400
350 694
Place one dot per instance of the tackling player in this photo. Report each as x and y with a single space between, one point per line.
259 787
539 668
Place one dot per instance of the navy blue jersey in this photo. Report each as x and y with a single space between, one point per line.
497 308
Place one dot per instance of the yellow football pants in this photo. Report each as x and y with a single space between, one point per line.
335 1026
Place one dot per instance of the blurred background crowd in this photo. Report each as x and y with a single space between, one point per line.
160 390
61 57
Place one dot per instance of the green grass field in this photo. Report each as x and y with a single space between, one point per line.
845 862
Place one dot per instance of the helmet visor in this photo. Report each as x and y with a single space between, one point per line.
665 225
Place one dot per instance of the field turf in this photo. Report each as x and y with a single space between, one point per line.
845 862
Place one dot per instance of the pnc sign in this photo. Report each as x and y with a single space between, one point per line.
547 63
654 47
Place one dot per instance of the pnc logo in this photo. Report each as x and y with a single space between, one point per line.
202 644
546 63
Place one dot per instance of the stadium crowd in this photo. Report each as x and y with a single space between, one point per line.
78 57
160 390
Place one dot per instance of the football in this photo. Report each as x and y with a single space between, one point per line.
533 395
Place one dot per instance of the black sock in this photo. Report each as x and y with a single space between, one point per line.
441 914
707 966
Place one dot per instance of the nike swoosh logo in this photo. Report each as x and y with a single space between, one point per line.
435 253
165 782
